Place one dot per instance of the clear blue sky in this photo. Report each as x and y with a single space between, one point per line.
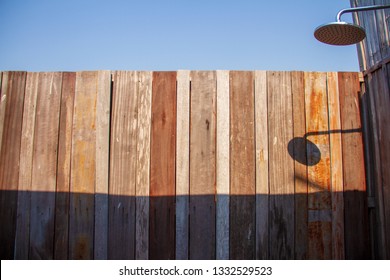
72 35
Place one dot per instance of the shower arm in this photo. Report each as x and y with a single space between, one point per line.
358 9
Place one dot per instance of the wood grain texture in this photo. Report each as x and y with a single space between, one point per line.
182 164
143 165
242 166
44 166
162 168
355 199
337 184
123 166
300 168
22 237
83 167
3 102
281 166
319 195
223 166
12 96
202 165
262 182
103 108
61 231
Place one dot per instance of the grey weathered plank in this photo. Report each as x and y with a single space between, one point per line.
262 186
123 163
143 165
102 164
223 166
202 165
182 164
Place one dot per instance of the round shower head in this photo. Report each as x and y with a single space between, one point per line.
339 33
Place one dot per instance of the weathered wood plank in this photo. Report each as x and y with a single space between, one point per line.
202 165
281 166
61 231
337 184
262 186
3 102
242 166
223 166
44 166
102 164
12 101
83 167
300 166
123 163
25 170
318 155
143 165
162 168
182 164
355 199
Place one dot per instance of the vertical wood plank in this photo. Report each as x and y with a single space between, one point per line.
223 166
355 197
61 231
242 166
143 165
44 166
300 166
3 102
337 184
319 196
182 164
162 168
123 166
25 172
83 167
202 165
102 164
281 166
262 186
12 99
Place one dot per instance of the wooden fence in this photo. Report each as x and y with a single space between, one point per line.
182 165
374 56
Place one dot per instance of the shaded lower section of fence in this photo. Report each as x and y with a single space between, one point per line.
51 237
182 165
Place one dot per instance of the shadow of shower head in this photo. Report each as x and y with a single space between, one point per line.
341 33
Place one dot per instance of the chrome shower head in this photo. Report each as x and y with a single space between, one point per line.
339 33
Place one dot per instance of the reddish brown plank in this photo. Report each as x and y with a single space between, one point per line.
281 166
123 160
242 166
12 93
318 157
44 166
61 230
300 167
22 238
82 182
202 165
162 166
355 197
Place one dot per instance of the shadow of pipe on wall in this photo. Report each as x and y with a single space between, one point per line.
304 144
